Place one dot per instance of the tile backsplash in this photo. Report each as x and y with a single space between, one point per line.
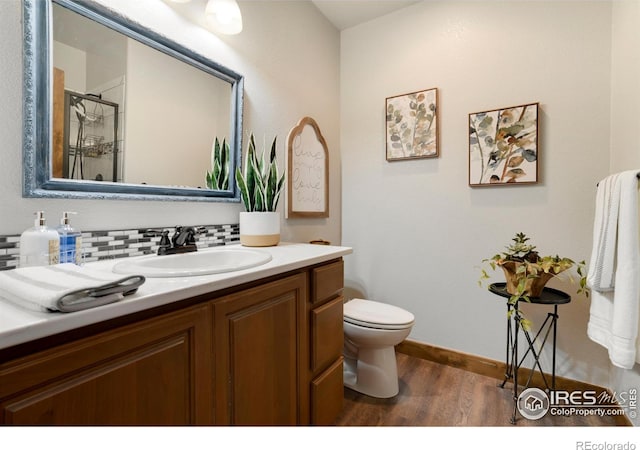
112 244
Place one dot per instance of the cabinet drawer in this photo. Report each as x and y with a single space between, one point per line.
326 334
327 392
327 281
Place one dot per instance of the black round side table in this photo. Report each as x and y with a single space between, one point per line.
549 296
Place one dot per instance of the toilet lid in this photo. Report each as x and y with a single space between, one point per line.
376 314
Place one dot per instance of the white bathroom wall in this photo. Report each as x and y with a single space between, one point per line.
625 86
290 63
625 122
290 55
418 231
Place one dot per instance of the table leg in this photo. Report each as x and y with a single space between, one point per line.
509 350
514 363
553 368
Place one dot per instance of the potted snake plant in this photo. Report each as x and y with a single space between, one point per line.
260 187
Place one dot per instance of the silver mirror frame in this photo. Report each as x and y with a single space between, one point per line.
37 117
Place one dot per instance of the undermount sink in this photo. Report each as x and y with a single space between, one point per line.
202 262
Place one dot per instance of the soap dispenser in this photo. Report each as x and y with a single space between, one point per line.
70 241
40 245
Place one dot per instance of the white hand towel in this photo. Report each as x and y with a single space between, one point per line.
614 315
600 276
64 287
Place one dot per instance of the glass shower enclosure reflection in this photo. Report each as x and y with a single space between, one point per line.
90 138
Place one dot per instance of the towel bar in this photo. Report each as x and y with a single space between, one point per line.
637 176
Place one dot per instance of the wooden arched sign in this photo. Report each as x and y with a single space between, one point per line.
308 171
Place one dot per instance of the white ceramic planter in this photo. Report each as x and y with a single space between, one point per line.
259 229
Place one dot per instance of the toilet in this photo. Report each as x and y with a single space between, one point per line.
371 331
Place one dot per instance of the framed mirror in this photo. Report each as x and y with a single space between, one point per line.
115 110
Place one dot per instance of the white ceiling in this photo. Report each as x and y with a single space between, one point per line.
341 13
348 13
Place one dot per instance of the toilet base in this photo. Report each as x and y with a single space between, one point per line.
374 372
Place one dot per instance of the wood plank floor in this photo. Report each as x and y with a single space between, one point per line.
433 394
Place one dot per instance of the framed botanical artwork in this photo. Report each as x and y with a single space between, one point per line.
503 146
412 125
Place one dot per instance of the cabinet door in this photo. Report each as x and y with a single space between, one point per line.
258 339
154 372
327 391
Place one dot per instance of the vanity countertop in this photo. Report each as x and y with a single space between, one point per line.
19 325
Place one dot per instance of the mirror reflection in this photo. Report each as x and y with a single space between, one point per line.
125 112
113 109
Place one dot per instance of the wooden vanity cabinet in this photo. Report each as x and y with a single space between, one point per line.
154 372
264 353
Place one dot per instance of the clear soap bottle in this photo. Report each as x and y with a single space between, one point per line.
70 241
40 245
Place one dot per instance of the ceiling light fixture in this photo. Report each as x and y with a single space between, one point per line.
224 16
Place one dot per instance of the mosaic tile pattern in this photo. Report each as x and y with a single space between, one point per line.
101 245
9 252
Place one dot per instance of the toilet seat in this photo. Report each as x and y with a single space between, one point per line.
370 314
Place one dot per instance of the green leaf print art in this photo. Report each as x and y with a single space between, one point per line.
503 146
412 130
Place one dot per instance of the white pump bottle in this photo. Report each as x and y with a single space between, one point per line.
40 245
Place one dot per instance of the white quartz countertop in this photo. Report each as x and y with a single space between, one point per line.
19 325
